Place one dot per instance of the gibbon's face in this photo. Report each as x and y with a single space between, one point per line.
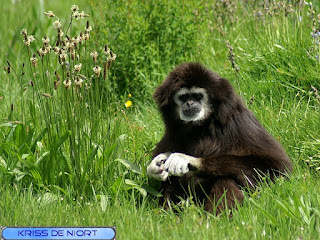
192 104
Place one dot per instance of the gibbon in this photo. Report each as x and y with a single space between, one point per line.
213 146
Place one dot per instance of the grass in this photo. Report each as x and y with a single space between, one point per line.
78 157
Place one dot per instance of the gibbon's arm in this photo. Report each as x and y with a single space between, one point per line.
178 164
227 165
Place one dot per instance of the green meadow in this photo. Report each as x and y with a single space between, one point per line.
78 123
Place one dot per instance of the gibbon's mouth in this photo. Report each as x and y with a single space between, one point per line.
191 114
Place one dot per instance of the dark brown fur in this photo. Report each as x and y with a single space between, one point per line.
234 147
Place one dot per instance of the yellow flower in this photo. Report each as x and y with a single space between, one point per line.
129 95
128 104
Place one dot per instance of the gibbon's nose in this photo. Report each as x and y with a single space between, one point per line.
190 103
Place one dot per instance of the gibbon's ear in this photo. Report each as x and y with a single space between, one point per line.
227 101
163 93
159 96
225 110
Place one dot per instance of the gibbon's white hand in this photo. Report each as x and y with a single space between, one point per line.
156 168
177 164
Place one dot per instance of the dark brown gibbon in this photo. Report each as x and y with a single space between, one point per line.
213 146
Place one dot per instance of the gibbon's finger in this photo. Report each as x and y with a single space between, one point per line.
184 169
163 176
153 168
171 163
177 164
157 172
181 168
160 177
161 158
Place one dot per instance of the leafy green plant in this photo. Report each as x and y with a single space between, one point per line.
59 133
150 40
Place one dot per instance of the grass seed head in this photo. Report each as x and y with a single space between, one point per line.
86 36
83 15
57 24
97 70
76 15
112 56
67 83
50 14
57 75
78 82
60 33
315 92
73 54
56 84
27 39
88 27
76 39
94 54
45 40
56 50
24 32
82 76
34 60
232 57
62 57
77 67
74 8
106 50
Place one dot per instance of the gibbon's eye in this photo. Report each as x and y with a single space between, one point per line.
197 96
183 97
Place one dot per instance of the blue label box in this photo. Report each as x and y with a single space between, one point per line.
58 233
